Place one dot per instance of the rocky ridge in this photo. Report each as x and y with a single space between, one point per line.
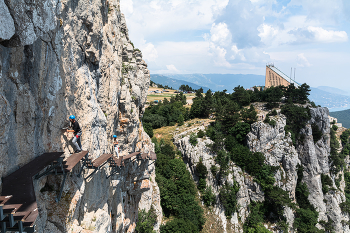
75 57
278 149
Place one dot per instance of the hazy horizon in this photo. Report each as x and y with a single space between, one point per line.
242 36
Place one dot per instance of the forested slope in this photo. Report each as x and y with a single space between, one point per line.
269 161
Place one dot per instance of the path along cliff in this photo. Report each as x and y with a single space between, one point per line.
59 58
311 157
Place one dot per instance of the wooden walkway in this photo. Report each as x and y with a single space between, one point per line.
117 163
18 207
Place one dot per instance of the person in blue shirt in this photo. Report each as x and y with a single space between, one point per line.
75 128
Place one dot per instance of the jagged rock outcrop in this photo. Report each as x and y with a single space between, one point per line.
278 149
248 189
75 57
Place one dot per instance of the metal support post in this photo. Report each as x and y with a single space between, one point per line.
62 185
92 173
30 229
11 220
86 158
3 227
113 171
2 215
59 163
152 163
20 226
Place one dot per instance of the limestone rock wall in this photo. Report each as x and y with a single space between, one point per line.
279 150
59 58
248 189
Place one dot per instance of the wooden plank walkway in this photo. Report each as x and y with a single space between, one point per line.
73 160
18 199
100 160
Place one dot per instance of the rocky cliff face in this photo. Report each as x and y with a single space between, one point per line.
278 149
74 57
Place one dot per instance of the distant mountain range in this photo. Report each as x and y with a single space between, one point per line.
216 82
174 83
333 90
330 97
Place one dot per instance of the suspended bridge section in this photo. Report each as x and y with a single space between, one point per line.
18 206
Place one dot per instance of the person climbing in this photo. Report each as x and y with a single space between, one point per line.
77 133
116 146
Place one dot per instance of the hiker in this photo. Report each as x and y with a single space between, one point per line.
115 144
77 133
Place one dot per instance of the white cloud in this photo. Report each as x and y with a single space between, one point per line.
302 61
220 34
237 53
318 34
219 55
267 33
172 69
157 18
149 52
127 7
328 36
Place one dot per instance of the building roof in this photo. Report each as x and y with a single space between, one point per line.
284 76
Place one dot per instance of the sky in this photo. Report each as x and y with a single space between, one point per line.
242 36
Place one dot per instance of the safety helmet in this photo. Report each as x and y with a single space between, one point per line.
72 117
115 136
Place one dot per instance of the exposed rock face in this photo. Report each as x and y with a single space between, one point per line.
248 190
75 57
279 151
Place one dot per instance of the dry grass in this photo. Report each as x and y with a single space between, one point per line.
153 96
166 133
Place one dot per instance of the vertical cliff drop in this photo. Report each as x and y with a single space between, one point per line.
75 57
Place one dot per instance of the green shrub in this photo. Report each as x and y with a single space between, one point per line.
272 122
326 183
306 220
337 181
328 226
193 139
209 197
344 137
255 218
316 132
202 172
201 169
249 115
239 131
345 206
146 221
180 120
148 129
214 170
269 121
306 216
334 127
228 198
200 134
273 113
297 117
272 105
301 191
222 159
179 225
177 190
336 160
